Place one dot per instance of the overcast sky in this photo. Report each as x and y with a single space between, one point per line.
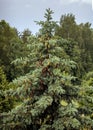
22 13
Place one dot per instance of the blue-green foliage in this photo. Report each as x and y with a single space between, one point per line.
49 97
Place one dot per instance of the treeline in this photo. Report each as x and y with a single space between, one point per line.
13 43
46 80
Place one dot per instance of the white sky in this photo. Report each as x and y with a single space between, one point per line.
23 13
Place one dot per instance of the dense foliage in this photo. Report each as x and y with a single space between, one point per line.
6 103
52 86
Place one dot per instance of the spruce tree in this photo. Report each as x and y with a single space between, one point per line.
48 95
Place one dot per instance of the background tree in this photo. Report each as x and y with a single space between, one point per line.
25 34
6 103
67 27
82 34
8 39
86 44
11 47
